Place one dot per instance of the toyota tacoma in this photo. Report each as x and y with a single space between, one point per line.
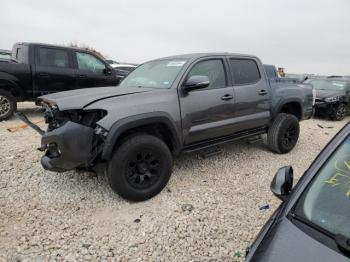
163 108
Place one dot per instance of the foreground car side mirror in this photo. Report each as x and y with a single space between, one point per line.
282 183
196 82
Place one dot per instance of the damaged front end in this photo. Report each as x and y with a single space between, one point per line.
73 140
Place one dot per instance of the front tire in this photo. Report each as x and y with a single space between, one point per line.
8 105
339 112
283 134
140 167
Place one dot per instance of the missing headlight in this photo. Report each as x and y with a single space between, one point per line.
56 118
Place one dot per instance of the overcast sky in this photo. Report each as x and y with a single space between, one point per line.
302 36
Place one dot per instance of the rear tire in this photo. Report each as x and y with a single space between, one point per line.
339 112
8 105
283 134
140 167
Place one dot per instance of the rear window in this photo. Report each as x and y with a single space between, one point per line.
244 71
53 57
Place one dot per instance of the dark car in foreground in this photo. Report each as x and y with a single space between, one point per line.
37 69
165 107
313 221
332 96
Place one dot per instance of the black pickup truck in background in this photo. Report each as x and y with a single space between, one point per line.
38 69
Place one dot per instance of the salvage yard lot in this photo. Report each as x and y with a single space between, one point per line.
76 215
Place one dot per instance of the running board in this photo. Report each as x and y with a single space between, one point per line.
223 140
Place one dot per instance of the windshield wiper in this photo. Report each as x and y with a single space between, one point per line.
343 242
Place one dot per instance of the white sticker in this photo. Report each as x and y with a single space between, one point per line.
176 63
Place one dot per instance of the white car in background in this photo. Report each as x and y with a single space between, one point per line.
121 66
122 69
5 54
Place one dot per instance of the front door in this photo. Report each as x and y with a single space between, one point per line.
93 72
207 113
53 72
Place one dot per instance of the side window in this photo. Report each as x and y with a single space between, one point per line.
214 69
53 57
90 63
244 71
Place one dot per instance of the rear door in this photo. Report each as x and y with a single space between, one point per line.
207 113
92 71
252 93
54 70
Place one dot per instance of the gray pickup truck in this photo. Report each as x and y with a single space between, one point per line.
164 107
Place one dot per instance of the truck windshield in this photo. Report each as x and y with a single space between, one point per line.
155 74
326 202
326 84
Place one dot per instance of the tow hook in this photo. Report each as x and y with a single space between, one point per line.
21 116
42 148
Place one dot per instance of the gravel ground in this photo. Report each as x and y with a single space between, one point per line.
75 216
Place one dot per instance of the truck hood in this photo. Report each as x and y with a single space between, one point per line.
80 98
321 94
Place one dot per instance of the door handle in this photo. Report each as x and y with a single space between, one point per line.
43 74
263 92
81 76
226 97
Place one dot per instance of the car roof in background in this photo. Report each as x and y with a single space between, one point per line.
51 45
342 79
124 65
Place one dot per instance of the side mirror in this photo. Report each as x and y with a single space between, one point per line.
196 82
282 183
107 71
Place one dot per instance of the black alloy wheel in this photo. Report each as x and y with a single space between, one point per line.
283 134
140 167
290 136
143 169
339 112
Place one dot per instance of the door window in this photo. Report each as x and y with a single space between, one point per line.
244 71
90 63
53 57
213 69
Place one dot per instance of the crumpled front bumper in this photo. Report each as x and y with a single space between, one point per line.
324 108
67 147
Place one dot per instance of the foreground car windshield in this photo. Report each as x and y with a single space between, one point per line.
155 74
322 84
326 203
